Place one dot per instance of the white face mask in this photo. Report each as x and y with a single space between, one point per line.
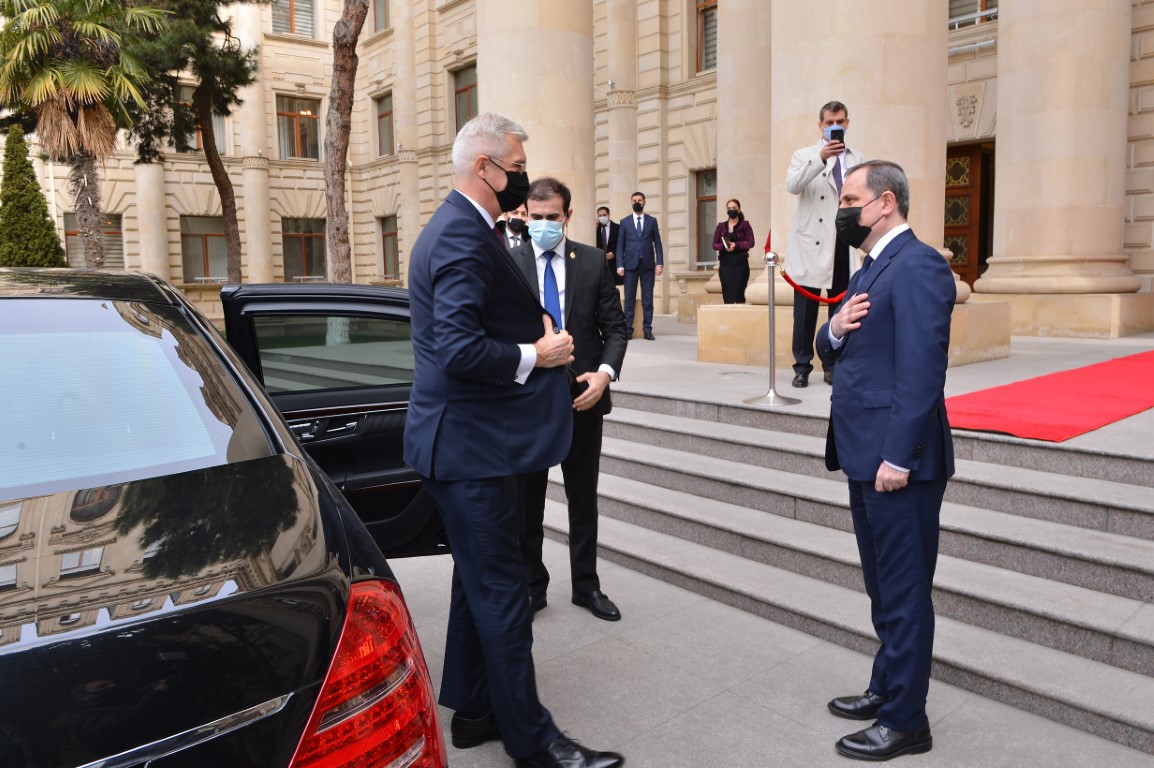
603 220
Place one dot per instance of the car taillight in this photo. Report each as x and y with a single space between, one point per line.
376 708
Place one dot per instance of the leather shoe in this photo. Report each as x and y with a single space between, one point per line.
864 707
601 606
473 732
563 752
801 380
828 377
649 336
880 743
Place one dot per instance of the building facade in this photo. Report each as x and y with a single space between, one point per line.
1030 150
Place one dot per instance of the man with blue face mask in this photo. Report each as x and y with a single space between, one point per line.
576 287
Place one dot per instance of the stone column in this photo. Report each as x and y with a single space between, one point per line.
152 211
1060 187
252 146
744 115
544 81
621 34
405 109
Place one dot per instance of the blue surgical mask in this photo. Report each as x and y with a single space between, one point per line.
546 234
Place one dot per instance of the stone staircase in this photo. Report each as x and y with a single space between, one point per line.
1045 582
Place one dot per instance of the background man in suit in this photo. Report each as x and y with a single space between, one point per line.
607 230
816 257
490 402
639 259
590 310
514 230
888 432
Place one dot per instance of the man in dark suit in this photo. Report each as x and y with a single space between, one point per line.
639 259
888 432
607 230
490 402
590 310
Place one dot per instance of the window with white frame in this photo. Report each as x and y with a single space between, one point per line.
76 563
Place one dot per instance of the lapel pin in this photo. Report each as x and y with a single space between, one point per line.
572 254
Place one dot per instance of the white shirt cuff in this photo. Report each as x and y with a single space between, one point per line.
609 370
834 341
528 362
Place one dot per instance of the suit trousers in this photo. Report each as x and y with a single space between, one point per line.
581 469
897 538
805 310
489 644
646 277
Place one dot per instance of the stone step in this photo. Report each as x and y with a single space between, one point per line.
988 448
1114 630
1110 702
1089 503
1097 560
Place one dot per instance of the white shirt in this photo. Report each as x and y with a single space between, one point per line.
559 273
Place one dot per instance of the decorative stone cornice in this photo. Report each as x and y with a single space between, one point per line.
256 162
622 99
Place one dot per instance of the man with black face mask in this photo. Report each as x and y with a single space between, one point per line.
514 229
888 433
817 258
490 402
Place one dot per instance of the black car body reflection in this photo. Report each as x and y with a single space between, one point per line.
180 583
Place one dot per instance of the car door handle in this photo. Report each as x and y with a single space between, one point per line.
335 428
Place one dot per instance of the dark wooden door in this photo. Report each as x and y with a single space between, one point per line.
968 193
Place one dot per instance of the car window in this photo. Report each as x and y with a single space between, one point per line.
302 353
99 392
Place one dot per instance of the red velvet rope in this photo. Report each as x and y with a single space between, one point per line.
808 295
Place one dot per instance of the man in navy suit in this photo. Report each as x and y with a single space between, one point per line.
888 432
490 402
639 258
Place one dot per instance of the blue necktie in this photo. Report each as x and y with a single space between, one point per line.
552 295
837 175
865 265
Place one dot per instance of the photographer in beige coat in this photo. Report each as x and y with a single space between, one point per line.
816 258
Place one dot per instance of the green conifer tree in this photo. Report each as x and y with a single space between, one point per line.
27 236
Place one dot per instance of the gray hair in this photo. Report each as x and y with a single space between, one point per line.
483 135
884 176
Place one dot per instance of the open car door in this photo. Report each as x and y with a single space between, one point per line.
338 362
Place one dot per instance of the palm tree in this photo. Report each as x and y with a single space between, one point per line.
69 63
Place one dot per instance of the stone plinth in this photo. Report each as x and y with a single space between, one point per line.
739 334
693 292
1087 315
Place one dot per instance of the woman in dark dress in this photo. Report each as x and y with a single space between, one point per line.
732 240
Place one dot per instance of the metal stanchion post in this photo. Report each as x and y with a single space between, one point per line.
771 397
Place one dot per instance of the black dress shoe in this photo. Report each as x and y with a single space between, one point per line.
801 380
563 752
648 336
828 377
880 743
470 732
601 606
864 707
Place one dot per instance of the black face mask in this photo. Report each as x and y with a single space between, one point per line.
516 190
516 226
849 227
732 213
638 207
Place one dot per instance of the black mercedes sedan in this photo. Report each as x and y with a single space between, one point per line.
193 532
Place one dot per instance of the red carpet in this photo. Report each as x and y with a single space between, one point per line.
1061 405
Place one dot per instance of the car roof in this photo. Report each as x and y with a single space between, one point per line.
84 283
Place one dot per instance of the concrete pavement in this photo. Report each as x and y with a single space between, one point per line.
683 680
